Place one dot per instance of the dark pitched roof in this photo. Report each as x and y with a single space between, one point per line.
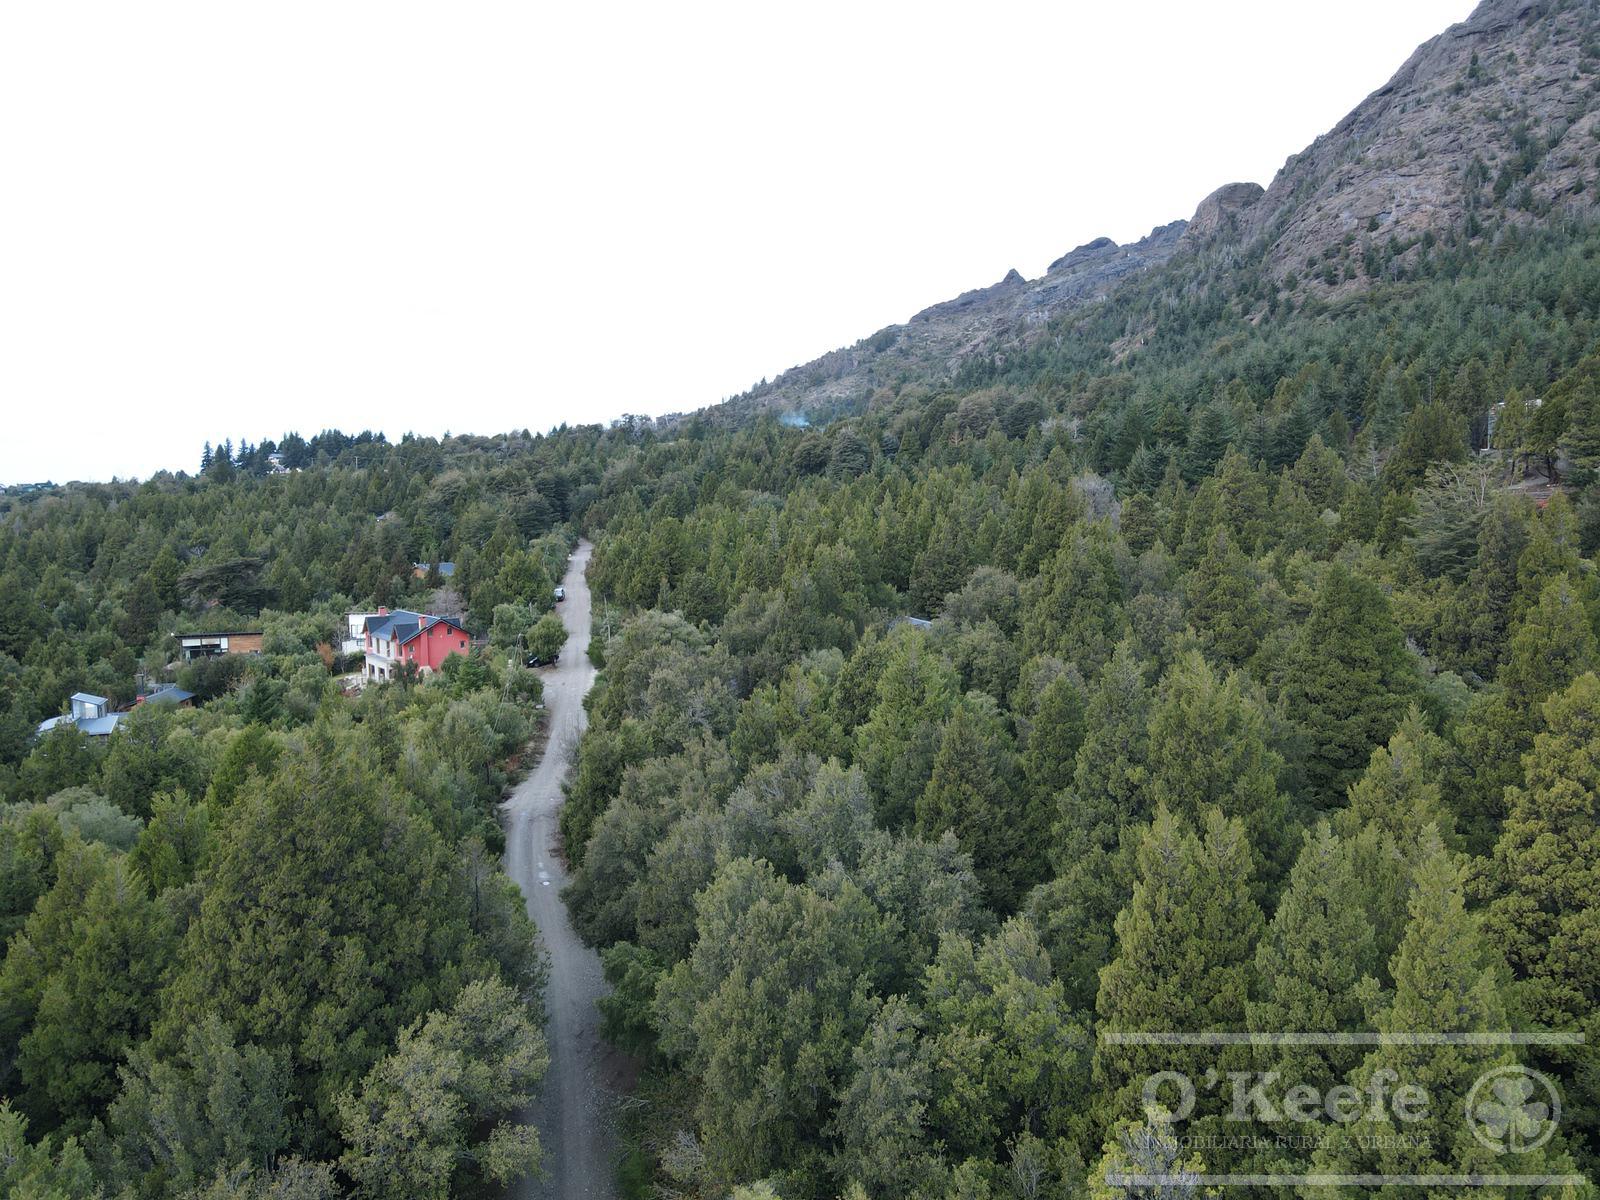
386 626
403 631
401 626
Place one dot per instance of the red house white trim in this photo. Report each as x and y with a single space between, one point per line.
392 639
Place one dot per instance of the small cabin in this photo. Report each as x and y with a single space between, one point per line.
90 715
209 645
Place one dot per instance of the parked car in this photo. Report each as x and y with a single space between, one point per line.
539 660
561 594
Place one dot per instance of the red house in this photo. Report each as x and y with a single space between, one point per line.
392 639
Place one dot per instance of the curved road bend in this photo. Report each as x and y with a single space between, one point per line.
575 1113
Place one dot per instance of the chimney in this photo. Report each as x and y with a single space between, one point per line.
382 611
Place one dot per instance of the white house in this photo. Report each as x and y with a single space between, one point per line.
355 632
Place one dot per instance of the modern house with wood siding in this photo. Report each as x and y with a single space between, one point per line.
209 645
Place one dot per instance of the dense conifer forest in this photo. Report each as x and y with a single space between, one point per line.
1251 687
1254 695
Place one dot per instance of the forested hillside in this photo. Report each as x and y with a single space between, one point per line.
1253 699
1251 687
263 946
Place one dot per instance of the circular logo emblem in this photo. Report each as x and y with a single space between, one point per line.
1513 1110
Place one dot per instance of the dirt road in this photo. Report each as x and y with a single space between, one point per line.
576 1112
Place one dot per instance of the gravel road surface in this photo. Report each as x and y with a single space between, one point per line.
577 1110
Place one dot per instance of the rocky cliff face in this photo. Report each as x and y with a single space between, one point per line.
1496 115
1495 120
935 341
1222 213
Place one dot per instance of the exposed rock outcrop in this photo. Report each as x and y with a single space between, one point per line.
977 300
1497 112
938 339
1497 116
1221 213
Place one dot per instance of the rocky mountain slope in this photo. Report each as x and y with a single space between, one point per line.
938 339
1496 113
1495 121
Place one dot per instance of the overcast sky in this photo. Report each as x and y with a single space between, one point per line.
230 220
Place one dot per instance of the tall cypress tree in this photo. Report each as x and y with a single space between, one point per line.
1112 768
1075 911
1054 735
895 748
1552 646
1208 748
1396 799
1543 887
97 974
328 918
1312 968
1399 792
973 792
1075 603
1447 981
1225 603
1347 683
1010 1053
1210 432
1185 946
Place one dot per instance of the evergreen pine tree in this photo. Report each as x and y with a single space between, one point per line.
1396 799
1210 433
1225 605
1583 422
1242 494
896 745
973 792
1320 473
1185 947
1054 735
1076 910
1313 967
1348 681
1009 1052
1112 768
1543 887
1447 981
1432 434
1553 550
1399 792
1075 607
98 997
1288 436
1552 646
328 918
1208 748
883 1112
